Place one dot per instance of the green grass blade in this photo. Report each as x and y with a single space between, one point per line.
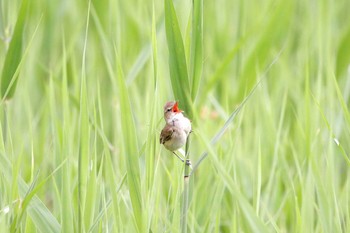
14 54
343 54
83 166
91 195
111 177
196 47
274 33
131 149
177 58
42 218
154 49
152 141
223 129
84 154
34 188
219 73
139 64
342 150
67 220
255 223
342 102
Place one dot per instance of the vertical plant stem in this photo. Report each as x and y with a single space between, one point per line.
187 171
4 132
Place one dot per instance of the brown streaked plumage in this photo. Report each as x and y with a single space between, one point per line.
172 137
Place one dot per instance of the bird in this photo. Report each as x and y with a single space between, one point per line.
174 116
177 128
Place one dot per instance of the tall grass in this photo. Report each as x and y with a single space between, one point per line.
83 85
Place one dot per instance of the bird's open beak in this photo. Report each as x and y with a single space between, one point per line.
176 108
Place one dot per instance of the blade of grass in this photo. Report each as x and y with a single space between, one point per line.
342 150
255 223
111 178
151 142
275 155
342 102
38 212
219 134
33 189
154 49
14 54
66 194
196 47
107 205
91 195
275 32
131 149
218 75
7 93
177 58
343 54
143 57
196 74
139 64
83 160
108 164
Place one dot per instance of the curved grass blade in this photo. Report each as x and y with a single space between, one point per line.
14 55
255 223
84 136
33 189
67 220
219 134
151 142
131 149
177 58
196 47
346 114
343 54
219 73
37 211
342 101
275 32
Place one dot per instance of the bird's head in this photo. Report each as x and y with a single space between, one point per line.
171 108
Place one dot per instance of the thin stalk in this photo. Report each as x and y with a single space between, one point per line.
182 160
4 132
221 132
187 171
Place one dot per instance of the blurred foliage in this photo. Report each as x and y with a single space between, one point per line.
282 163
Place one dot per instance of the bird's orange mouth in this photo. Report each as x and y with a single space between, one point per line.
176 108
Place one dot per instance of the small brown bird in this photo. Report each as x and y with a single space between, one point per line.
176 129
174 116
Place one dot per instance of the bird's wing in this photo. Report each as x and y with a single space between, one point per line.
166 134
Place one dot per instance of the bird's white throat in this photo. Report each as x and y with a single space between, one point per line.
179 120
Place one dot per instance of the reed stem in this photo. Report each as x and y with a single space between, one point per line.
188 167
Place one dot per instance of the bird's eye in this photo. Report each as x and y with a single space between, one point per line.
168 110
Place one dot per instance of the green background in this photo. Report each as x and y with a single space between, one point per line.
83 86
